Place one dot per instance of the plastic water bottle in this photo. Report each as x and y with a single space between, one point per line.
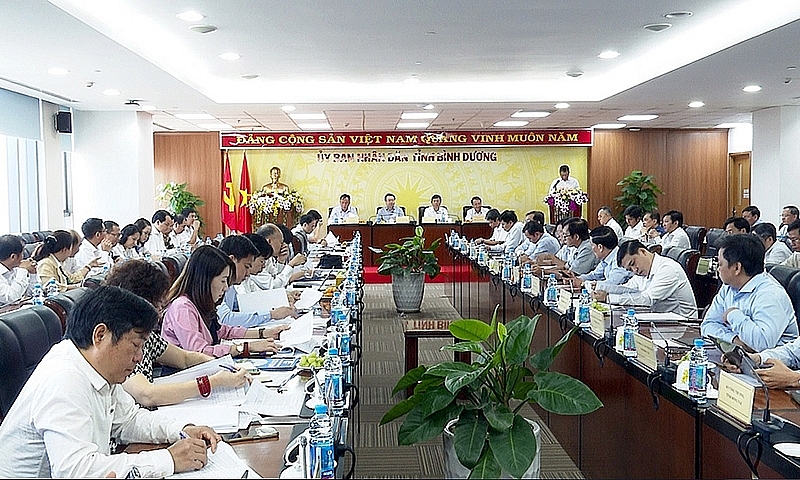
320 429
51 289
208 241
698 378
334 385
630 327
527 278
583 309
506 275
38 294
551 294
343 345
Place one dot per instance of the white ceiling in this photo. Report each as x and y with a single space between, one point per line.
477 61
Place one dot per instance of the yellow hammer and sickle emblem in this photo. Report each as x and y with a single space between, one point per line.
227 196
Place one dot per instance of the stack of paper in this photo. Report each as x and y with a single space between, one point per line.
262 301
224 463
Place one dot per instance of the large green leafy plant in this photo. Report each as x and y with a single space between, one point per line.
410 257
638 189
177 197
486 396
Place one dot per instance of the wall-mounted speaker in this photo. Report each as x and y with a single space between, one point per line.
64 122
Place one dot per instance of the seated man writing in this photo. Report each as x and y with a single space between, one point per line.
498 233
581 260
539 241
604 246
751 309
72 406
658 282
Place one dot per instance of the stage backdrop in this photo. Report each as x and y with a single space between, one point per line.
514 178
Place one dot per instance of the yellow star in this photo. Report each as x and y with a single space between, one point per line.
245 197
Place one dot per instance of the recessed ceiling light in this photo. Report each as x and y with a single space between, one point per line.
412 80
733 125
697 104
791 67
314 126
608 54
511 123
679 14
418 115
110 92
308 116
561 105
190 16
752 88
413 125
288 108
634 129
203 28
248 76
574 73
608 126
657 27
522 114
194 116
230 56
215 126
148 108
429 106
430 33
637 118
58 71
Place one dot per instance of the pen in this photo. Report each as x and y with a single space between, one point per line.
228 368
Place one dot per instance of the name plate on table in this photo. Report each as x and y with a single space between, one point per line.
702 265
597 322
425 325
403 219
536 286
478 218
645 351
735 397
350 219
564 300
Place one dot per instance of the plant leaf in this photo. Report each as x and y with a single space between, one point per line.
400 409
409 379
562 394
470 437
426 383
487 466
502 332
417 428
435 399
521 390
543 359
499 416
517 345
474 347
468 329
446 368
514 448
456 380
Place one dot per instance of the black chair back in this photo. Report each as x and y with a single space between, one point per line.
26 335
794 294
29 248
62 303
466 208
550 228
783 274
696 236
712 236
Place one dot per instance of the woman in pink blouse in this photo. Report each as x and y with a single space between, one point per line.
190 320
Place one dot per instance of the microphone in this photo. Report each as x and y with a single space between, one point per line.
372 220
668 371
767 424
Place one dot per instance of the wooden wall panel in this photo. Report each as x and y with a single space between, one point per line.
690 166
194 158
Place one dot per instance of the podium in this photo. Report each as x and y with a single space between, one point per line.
556 215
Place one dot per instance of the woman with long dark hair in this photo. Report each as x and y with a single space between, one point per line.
190 320
125 248
55 249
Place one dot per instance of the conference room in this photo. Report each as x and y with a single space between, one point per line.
424 115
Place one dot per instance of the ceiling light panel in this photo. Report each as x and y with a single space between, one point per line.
608 126
314 126
510 123
413 125
308 116
637 118
418 115
524 114
194 116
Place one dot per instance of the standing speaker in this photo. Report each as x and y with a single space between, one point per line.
64 122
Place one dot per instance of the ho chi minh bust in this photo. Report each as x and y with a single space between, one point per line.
276 186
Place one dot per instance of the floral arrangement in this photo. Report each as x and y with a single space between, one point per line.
267 205
566 199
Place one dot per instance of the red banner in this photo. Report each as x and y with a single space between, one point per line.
245 219
396 139
228 198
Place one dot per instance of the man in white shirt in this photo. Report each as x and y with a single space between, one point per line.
477 209
94 244
736 226
789 214
633 217
752 214
658 282
436 210
513 228
389 212
776 252
280 270
191 225
73 406
16 275
606 218
674 235
564 180
340 212
159 241
111 233
498 234
180 234
793 237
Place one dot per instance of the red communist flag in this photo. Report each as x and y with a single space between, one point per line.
228 198
245 222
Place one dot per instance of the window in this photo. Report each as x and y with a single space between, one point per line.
19 170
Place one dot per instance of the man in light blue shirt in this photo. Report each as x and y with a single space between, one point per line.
539 242
390 212
751 309
242 253
604 246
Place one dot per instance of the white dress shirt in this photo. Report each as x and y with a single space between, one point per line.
514 237
676 238
437 214
338 215
471 213
634 232
614 225
88 252
666 289
559 184
777 253
155 244
182 238
274 275
65 416
498 235
14 284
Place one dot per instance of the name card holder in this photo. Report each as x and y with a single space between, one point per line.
597 322
536 286
645 351
403 219
736 397
702 266
478 218
564 300
350 219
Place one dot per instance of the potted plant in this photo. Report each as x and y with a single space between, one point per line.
408 263
178 197
638 189
476 406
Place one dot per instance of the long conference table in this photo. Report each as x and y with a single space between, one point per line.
636 434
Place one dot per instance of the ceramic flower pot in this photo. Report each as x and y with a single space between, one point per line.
407 291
